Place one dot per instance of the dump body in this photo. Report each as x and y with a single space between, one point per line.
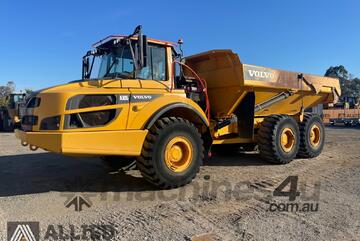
229 81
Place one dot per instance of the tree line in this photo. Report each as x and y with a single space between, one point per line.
6 90
350 85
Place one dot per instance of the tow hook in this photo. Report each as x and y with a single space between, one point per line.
33 148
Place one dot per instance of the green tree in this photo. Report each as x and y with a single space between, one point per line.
354 89
344 77
28 91
5 91
350 86
338 72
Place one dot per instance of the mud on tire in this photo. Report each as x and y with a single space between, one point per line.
153 164
278 139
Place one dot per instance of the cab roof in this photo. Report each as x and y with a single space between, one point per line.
111 38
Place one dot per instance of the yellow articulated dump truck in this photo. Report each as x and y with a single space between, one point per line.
151 104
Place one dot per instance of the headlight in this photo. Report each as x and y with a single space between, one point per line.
50 123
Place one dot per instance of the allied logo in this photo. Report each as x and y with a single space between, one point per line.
23 231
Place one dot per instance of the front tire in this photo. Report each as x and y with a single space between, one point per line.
172 153
312 136
278 139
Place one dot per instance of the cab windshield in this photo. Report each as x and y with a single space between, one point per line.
118 63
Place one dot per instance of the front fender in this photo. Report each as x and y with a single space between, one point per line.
144 116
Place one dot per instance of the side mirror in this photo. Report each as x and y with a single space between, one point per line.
141 50
143 47
85 67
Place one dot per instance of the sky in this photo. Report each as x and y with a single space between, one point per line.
42 42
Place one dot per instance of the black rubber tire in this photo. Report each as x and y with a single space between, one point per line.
151 163
269 139
306 150
119 162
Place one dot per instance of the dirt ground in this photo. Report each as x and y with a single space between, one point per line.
231 199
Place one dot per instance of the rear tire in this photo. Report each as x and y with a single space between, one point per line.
172 153
312 136
278 139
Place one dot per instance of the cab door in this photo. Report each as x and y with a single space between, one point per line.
154 80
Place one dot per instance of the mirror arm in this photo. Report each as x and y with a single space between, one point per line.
83 68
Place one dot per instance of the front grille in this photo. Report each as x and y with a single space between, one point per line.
90 119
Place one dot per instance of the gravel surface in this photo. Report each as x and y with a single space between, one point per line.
231 198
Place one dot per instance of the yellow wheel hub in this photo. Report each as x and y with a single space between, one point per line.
178 154
315 135
287 140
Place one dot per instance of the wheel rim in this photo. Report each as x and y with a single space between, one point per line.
315 135
287 140
178 154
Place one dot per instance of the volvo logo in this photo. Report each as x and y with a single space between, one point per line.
261 74
142 97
